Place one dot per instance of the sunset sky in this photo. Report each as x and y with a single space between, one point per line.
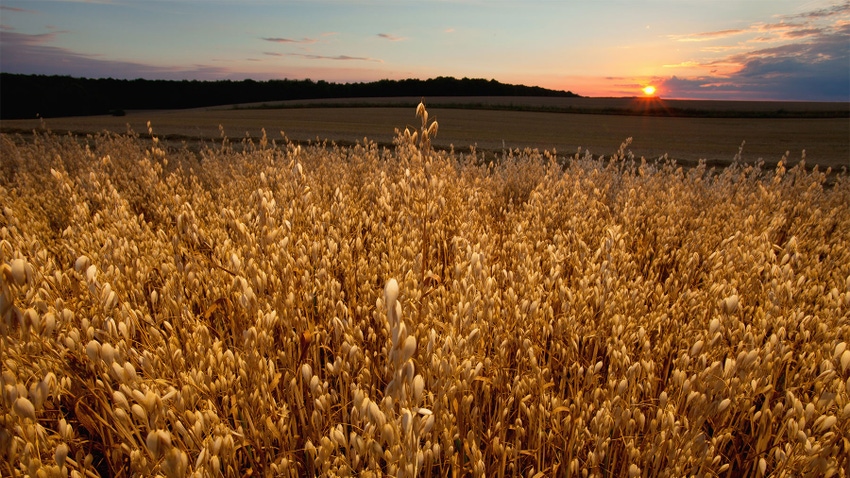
709 49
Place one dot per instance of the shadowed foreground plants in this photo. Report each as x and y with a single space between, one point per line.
315 310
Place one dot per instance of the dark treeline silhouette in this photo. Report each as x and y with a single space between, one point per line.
28 96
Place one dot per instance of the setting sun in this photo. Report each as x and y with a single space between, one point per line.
649 90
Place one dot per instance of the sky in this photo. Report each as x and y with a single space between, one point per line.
708 49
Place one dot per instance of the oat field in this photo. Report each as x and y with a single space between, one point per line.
272 309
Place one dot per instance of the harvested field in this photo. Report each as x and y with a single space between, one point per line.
716 140
633 106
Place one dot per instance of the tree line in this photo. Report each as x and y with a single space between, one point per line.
30 96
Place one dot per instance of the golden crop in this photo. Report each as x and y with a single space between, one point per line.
285 310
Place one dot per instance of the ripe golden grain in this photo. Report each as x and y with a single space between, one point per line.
271 308
24 408
61 454
19 274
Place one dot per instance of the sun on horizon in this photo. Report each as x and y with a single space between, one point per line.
648 90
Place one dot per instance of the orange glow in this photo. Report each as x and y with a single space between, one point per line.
649 90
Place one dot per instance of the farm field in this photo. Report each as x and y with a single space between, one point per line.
275 308
633 105
687 140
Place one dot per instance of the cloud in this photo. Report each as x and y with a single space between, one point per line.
30 54
705 36
788 27
327 57
684 64
97 2
805 32
824 12
762 39
15 9
803 57
34 54
389 37
721 48
811 71
31 40
303 41
777 26
785 31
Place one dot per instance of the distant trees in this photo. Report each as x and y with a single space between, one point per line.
26 96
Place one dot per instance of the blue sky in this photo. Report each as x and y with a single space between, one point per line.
712 49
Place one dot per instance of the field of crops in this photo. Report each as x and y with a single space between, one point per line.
519 123
274 309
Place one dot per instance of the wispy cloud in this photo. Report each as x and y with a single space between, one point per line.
303 41
15 9
785 31
684 64
764 27
309 56
823 12
805 32
390 37
97 2
32 54
34 39
789 27
722 48
706 36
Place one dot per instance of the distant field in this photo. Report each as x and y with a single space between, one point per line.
715 139
633 105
